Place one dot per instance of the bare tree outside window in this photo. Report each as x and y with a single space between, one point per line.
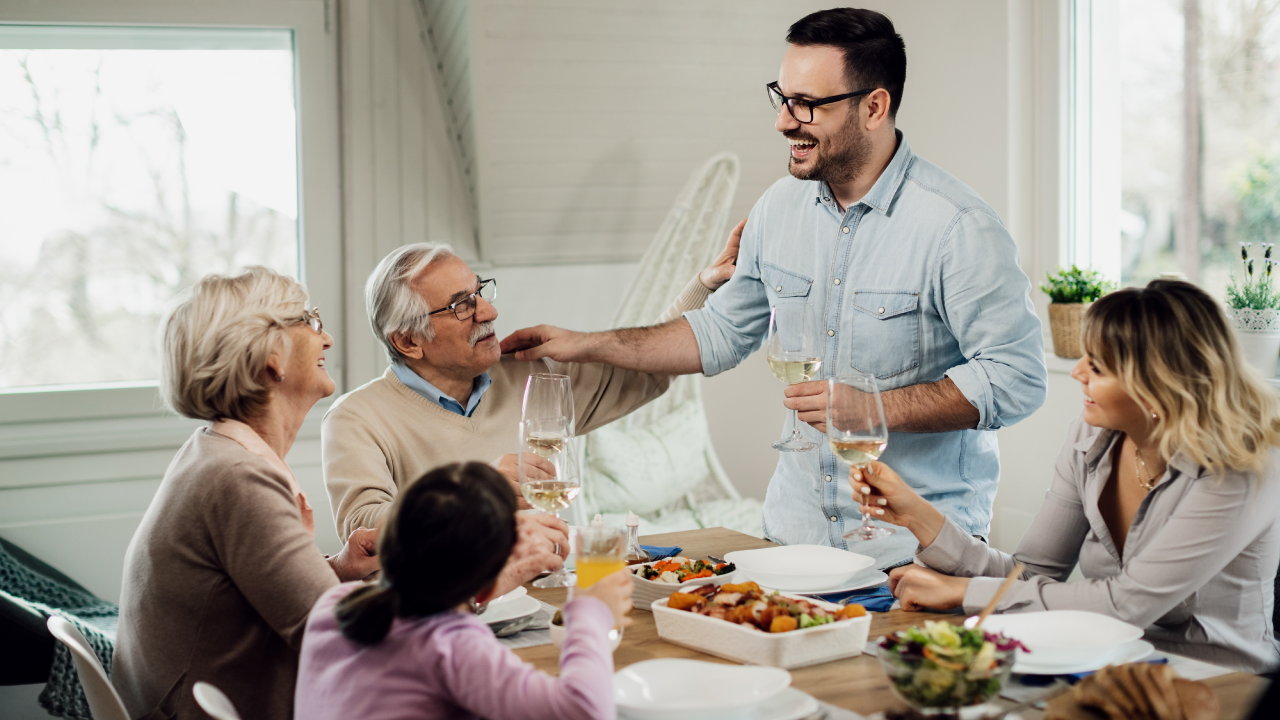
125 176
1200 83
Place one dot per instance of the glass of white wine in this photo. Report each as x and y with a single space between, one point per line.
550 493
547 413
792 350
857 433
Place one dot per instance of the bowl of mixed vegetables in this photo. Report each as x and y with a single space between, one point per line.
658 579
942 667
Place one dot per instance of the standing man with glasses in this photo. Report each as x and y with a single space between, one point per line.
449 395
910 275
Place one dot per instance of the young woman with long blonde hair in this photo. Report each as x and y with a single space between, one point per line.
1166 493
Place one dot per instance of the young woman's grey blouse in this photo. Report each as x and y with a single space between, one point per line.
1198 568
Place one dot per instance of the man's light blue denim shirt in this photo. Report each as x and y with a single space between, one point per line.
414 382
916 281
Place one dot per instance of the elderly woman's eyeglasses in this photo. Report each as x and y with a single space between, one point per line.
801 109
312 318
465 307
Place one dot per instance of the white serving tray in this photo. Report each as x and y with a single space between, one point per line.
795 649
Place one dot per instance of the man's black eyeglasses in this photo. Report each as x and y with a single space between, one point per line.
801 109
464 307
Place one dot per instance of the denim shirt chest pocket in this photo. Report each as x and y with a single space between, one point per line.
885 332
785 284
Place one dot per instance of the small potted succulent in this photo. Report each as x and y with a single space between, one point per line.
1070 293
1254 309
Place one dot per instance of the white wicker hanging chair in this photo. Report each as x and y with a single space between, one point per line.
658 461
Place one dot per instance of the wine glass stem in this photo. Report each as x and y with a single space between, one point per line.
866 516
795 426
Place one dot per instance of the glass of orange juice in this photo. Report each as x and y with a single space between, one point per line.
601 551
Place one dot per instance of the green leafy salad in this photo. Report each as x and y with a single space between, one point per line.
943 665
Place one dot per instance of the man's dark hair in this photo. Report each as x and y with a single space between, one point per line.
874 54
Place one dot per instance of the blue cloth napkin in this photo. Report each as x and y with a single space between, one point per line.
662 552
874 599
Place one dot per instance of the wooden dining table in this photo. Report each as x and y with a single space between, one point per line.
855 683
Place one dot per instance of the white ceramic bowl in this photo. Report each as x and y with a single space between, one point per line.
799 567
1064 637
644 592
671 688
558 631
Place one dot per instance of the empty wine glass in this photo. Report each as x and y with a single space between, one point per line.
550 492
792 351
857 433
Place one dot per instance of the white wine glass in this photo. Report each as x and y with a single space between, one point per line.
792 351
550 493
857 433
547 413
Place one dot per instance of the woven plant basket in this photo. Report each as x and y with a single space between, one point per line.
1064 323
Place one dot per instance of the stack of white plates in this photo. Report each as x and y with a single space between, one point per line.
677 689
801 568
1069 641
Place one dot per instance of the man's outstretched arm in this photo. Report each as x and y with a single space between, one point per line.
924 408
666 349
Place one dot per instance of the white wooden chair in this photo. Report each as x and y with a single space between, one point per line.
104 701
658 461
215 702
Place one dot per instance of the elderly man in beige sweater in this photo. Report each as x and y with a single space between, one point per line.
449 394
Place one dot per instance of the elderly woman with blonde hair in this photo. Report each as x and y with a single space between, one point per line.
1166 493
222 572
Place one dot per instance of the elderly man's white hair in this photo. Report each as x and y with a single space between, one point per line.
392 304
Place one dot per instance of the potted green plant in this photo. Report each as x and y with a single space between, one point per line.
1070 293
1254 308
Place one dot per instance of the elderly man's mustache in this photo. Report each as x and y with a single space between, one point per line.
479 331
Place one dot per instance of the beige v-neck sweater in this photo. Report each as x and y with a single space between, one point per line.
382 435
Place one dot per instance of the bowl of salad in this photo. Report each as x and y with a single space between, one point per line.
657 580
941 668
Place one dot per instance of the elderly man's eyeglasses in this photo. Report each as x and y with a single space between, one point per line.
312 318
801 109
465 307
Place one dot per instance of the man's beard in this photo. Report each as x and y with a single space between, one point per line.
839 160
479 331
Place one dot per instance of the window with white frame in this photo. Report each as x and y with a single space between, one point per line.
1173 136
133 161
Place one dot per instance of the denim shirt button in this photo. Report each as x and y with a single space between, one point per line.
881 311
779 288
828 478
845 229
837 281
831 333
833 518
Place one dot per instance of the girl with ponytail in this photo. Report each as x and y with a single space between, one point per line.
409 645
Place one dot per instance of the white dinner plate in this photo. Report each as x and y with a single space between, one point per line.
790 704
862 580
678 689
799 567
1132 651
1064 637
516 594
506 611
